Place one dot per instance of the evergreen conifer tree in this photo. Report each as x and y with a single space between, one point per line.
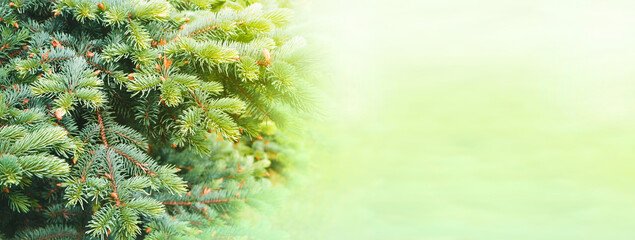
145 119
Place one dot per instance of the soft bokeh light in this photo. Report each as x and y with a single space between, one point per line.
473 120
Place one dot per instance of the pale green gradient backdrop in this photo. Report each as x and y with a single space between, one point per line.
473 120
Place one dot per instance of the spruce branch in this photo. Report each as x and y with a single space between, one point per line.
145 119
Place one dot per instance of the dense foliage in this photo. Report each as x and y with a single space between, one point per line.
147 119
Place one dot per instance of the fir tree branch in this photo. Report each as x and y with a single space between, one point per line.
60 235
248 96
188 203
138 164
112 179
102 129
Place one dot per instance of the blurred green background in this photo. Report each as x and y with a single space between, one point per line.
472 120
